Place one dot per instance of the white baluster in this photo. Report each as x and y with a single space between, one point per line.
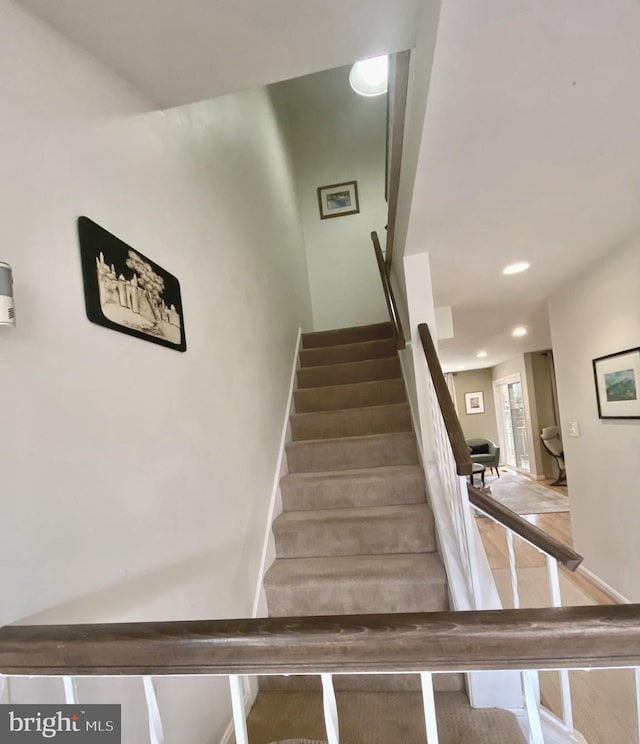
429 705
637 670
565 684
5 693
330 709
70 690
156 733
530 688
513 570
237 704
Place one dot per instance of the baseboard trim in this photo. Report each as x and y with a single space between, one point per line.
603 586
279 473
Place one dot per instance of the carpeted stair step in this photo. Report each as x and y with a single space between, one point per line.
373 451
361 531
354 585
351 335
385 347
387 368
351 422
355 395
363 682
378 718
395 484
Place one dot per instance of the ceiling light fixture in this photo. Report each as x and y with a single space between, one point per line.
516 268
519 331
481 354
369 76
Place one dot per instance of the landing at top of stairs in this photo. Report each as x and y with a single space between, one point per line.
351 335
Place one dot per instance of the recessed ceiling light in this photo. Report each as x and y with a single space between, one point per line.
481 354
369 76
461 366
516 268
519 331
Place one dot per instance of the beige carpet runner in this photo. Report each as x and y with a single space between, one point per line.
357 536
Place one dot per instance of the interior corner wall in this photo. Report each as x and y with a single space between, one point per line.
476 425
136 480
338 136
598 314
541 371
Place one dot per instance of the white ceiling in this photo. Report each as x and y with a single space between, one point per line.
180 52
531 152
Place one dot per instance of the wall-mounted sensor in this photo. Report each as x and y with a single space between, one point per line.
7 310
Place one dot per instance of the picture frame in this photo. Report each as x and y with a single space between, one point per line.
474 403
126 291
617 380
338 200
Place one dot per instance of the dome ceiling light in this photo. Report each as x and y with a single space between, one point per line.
516 268
369 77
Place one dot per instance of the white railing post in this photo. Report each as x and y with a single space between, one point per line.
237 705
513 570
70 691
565 683
156 733
330 708
530 686
5 692
429 704
637 671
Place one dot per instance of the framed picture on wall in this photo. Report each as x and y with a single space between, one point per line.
617 378
338 199
474 403
126 291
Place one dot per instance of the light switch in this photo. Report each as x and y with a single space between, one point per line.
573 429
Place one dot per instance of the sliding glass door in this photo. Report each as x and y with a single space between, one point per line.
513 425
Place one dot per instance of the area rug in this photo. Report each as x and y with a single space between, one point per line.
525 496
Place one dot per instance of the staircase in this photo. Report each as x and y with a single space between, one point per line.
357 536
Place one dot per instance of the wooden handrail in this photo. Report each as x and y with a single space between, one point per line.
396 113
549 638
452 423
389 297
528 531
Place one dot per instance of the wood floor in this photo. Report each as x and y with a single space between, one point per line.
603 701
557 525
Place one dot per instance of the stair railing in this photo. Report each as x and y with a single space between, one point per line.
455 465
421 643
389 296
396 115
452 463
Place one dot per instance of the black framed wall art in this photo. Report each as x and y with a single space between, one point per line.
617 378
126 291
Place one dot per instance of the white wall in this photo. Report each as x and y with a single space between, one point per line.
135 479
598 314
338 136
